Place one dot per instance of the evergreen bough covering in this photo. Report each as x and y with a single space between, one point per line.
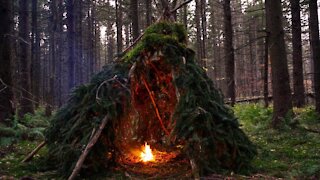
208 130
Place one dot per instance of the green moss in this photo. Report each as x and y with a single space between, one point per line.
175 30
157 36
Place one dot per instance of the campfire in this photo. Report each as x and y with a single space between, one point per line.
147 160
146 154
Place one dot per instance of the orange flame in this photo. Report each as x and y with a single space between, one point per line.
146 154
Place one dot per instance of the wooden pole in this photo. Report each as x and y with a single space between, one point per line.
30 156
90 144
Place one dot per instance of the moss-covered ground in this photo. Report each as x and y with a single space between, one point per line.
289 153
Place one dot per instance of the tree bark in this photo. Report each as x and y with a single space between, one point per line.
204 30
119 26
229 52
315 48
53 22
71 43
185 16
198 33
134 19
266 72
148 12
6 94
60 60
282 104
26 105
78 41
298 87
35 49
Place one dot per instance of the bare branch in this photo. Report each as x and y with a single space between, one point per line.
18 38
180 5
5 85
114 78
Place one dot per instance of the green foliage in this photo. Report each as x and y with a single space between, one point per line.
175 30
38 119
253 115
72 125
307 115
291 153
31 127
11 157
157 36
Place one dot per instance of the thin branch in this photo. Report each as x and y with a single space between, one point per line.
180 6
5 85
19 38
133 44
30 156
114 78
155 106
89 146
99 87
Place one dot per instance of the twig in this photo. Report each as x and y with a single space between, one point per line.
195 169
309 130
19 90
30 156
104 82
19 38
155 106
5 85
180 5
89 146
114 78
133 44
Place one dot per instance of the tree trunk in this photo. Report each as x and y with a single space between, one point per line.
60 60
80 43
71 43
134 19
198 33
315 48
204 30
266 72
52 52
298 87
229 52
148 12
6 94
119 26
77 42
35 49
282 104
185 16
26 105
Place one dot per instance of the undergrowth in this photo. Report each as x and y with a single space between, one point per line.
20 139
292 152
30 127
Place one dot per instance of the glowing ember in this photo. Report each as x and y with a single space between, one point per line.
146 154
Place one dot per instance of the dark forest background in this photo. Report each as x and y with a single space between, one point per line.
253 50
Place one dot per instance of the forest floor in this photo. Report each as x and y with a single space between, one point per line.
289 153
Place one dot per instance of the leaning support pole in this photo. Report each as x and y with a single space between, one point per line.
30 156
90 144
